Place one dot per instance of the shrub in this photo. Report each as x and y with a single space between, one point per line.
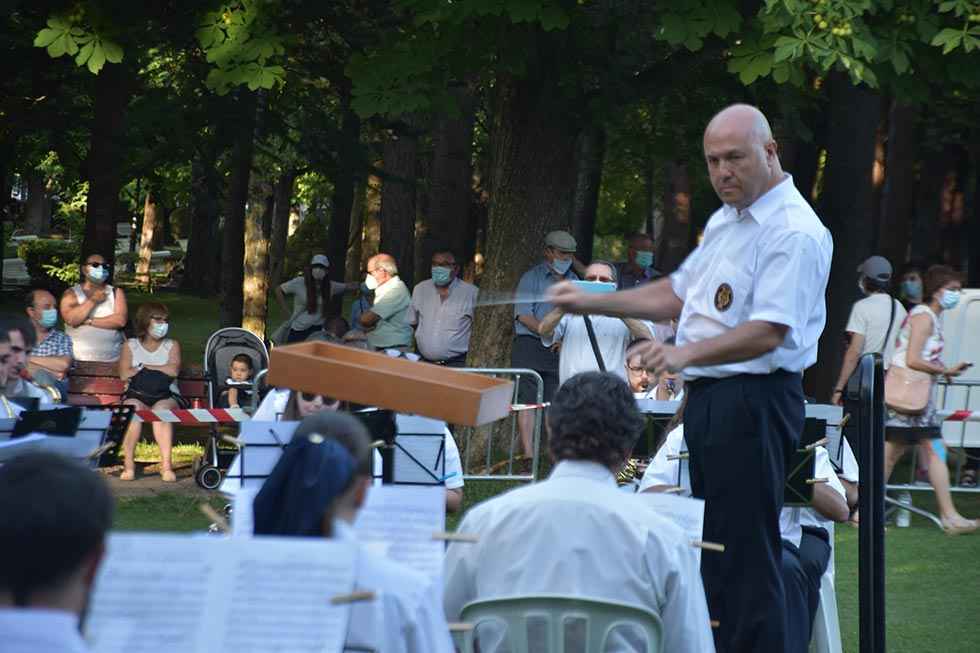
51 262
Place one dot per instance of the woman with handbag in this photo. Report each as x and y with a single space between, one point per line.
150 363
911 389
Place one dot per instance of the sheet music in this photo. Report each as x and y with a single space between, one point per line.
220 594
261 457
242 514
397 521
423 439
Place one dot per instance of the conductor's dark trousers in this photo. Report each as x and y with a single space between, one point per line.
741 432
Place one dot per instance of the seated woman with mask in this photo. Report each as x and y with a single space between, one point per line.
94 313
316 490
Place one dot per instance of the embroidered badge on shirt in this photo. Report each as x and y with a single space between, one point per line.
723 297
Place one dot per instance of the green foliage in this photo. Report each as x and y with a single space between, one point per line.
241 41
48 259
66 35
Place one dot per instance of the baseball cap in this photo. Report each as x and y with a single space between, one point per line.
876 268
320 259
561 240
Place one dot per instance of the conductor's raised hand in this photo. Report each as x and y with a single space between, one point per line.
568 297
658 358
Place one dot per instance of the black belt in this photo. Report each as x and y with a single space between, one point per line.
458 358
711 380
816 531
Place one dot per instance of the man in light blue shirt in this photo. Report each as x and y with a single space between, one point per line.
529 351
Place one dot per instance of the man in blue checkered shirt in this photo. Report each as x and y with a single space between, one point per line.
52 356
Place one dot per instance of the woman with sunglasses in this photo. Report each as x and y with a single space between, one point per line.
94 313
149 365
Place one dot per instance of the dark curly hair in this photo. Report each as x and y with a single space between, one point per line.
594 417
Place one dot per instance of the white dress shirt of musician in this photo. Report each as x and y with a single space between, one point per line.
442 311
575 534
665 471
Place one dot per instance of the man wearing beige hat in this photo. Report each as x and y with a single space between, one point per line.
528 351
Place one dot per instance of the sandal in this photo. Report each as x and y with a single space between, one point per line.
128 475
959 525
969 478
167 476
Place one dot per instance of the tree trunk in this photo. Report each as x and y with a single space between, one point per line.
398 202
350 166
450 184
233 238
280 225
926 244
356 240
845 209
150 220
258 222
105 156
532 182
37 212
898 198
674 242
973 227
201 246
591 149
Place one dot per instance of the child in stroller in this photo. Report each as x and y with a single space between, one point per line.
238 385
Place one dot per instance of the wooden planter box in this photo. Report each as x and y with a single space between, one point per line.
398 384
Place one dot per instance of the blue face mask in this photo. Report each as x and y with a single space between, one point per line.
561 265
644 259
949 299
912 289
441 276
49 317
97 275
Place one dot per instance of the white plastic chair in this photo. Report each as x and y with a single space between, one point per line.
599 618
825 636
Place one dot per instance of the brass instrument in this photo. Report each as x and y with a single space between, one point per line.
630 471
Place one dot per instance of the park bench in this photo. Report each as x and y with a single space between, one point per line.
98 384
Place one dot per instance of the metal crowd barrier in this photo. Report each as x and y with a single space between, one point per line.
489 460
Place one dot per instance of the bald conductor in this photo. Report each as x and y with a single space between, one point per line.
751 304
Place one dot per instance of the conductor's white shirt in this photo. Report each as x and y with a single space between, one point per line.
768 262
405 616
575 534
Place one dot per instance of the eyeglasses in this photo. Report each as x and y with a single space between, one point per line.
95 264
636 370
310 396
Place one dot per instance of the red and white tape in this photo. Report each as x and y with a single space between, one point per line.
516 408
959 415
193 416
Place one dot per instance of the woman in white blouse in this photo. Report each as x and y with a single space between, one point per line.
94 313
316 490
149 364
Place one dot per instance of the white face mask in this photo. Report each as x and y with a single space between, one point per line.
159 330
319 274
371 282
97 275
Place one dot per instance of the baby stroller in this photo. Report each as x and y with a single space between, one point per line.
221 348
